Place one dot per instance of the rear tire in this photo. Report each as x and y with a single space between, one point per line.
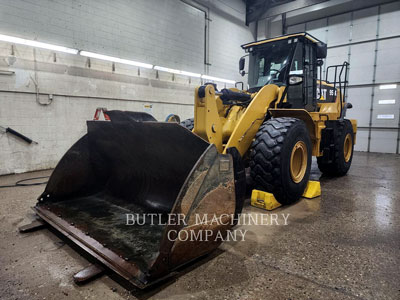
280 158
188 123
343 151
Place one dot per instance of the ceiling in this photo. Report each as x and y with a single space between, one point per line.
256 8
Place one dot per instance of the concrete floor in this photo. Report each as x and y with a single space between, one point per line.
343 245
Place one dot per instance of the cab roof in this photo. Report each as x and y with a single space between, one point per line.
282 37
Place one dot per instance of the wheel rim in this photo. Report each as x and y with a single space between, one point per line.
348 147
298 161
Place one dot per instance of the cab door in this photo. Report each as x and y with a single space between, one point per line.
310 76
295 95
303 96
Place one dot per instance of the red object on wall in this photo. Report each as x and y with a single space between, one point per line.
98 112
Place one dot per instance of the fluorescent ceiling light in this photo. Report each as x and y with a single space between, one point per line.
386 117
32 43
115 59
387 86
391 101
176 71
218 79
17 40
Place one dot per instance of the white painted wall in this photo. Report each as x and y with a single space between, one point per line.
167 33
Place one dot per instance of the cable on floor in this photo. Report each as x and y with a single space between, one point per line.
21 182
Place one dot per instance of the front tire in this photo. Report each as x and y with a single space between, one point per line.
280 158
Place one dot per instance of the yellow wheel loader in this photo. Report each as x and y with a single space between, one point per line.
286 115
146 197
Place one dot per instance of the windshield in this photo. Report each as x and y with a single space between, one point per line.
268 63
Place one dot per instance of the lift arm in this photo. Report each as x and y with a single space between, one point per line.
208 122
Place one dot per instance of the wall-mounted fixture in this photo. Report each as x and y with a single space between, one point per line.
113 59
218 79
16 40
385 117
190 74
387 86
389 101
5 72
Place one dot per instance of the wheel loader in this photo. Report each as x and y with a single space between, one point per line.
131 166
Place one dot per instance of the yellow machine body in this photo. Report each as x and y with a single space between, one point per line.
240 125
236 126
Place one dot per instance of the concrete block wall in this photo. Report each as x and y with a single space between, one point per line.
166 33
225 40
76 91
160 32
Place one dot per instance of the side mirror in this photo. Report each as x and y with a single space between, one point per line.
321 50
320 62
295 79
241 65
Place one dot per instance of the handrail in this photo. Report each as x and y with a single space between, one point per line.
337 80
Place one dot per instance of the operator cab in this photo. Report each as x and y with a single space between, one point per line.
292 61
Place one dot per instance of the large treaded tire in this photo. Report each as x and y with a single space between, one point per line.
339 166
188 123
270 157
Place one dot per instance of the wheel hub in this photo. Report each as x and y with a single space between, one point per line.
347 149
298 161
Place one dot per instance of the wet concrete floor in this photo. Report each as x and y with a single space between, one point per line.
342 245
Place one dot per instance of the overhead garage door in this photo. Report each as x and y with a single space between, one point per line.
369 39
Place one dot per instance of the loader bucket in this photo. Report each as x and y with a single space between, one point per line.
133 193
